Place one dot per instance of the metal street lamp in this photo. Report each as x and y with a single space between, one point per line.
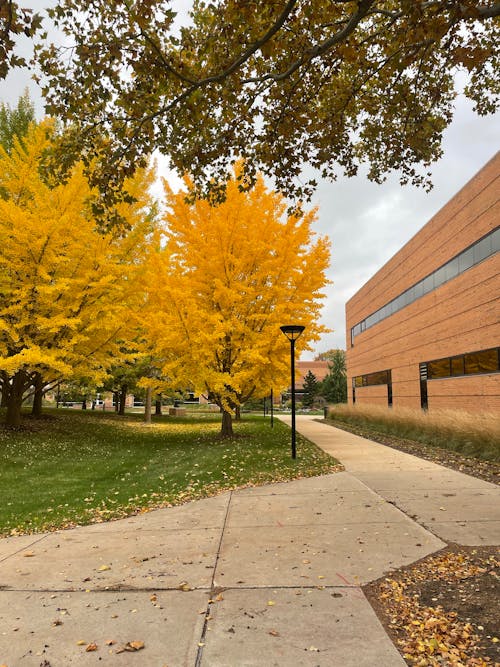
292 332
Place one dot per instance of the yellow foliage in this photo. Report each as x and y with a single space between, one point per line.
66 291
221 284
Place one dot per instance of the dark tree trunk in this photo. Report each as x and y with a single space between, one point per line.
123 398
116 395
158 406
36 410
237 413
84 404
226 429
15 400
4 389
147 407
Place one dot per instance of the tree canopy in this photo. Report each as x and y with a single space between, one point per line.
326 83
229 276
66 291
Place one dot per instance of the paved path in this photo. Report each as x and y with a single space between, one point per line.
258 577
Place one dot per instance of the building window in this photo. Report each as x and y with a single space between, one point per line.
471 363
477 252
372 380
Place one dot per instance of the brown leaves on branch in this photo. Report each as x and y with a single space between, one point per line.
14 21
330 84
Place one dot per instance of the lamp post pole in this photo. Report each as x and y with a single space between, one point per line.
292 332
292 366
272 408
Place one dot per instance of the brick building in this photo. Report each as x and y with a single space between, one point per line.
424 331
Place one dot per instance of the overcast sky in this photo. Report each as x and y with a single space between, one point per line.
366 223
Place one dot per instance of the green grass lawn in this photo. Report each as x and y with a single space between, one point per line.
76 467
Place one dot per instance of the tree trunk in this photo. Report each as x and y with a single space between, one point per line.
123 398
237 413
226 429
15 400
84 404
4 389
147 407
158 406
36 410
116 395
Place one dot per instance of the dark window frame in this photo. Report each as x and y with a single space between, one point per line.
462 357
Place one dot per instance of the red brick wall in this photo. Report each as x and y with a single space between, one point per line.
461 316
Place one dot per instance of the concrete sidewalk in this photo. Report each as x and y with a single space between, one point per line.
258 577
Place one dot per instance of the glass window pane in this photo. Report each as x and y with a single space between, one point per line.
399 303
482 249
439 276
370 321
495 240
451 269
440 368
428 283
376 378
481 362
457 366
418 289
465 260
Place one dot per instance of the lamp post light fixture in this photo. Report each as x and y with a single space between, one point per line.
292 332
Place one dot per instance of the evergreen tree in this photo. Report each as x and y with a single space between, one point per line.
334 386
310 388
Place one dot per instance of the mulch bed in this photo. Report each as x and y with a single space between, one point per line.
444 609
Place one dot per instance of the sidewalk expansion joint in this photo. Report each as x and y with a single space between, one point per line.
35 541
213 589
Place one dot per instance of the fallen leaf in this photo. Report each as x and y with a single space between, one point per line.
219 598
91 647
271 603
184 586
28 554
136 646
274 633
103 568
80 642
131 646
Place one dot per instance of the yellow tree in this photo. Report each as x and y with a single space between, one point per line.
66 291
230 275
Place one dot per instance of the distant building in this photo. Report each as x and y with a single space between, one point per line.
424 331
318 368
